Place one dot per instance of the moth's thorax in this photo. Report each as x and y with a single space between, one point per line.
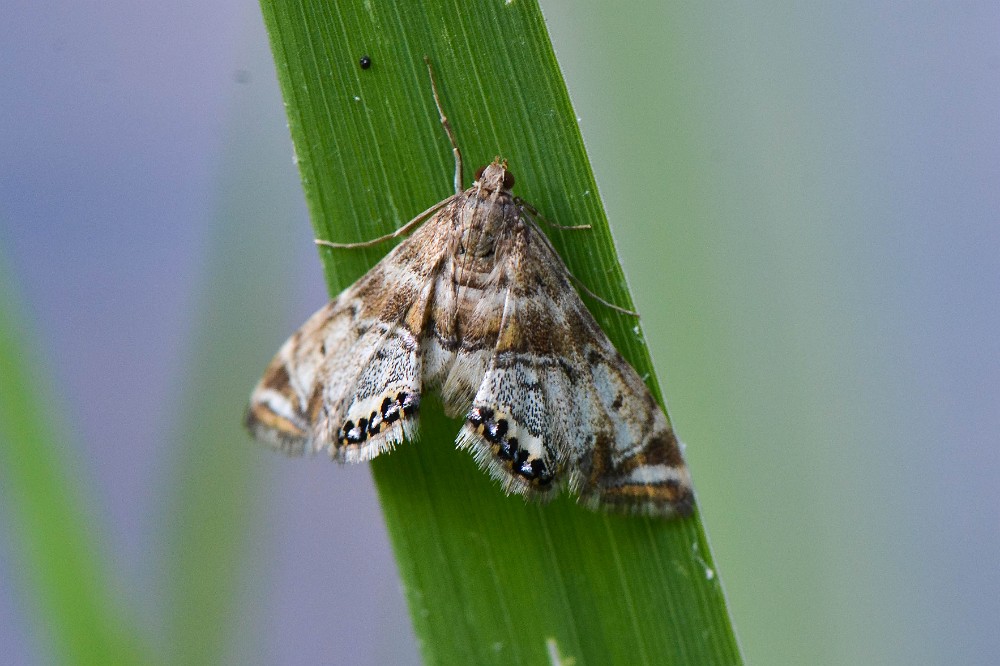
486 215
483 222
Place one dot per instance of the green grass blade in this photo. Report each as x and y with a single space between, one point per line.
62 571
489 579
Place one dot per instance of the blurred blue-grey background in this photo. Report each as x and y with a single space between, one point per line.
806 202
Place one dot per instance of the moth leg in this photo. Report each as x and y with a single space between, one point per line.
395 234
579 283
536 214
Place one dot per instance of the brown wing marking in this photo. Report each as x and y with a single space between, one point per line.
557 383
322 378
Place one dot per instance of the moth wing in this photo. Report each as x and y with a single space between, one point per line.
380 406
289 397
349 380
515 427
449 365
559 405
510 429
632 460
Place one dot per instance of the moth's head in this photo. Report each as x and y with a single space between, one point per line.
494 177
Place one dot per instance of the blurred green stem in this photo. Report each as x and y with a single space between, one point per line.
62 571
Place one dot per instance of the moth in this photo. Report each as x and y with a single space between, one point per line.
478 305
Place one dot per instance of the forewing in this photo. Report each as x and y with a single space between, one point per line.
633 461
287 401
350 378
559 405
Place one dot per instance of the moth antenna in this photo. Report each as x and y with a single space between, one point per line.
447 128
395 234
534 212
